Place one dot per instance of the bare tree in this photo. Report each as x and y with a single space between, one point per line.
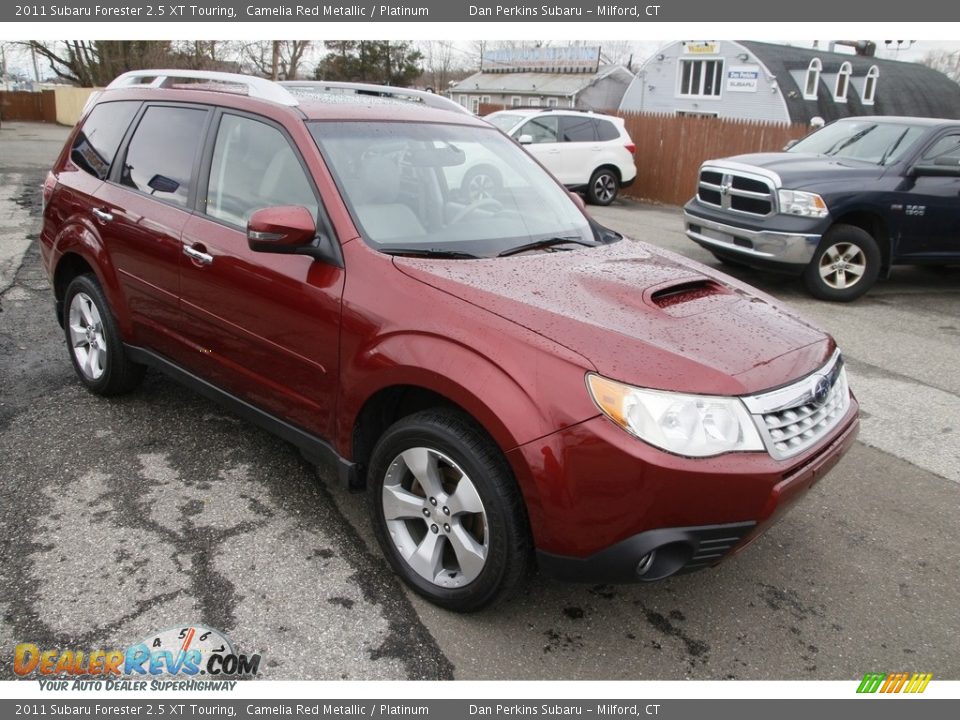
89 63
442 63
276 59
617 52
946 62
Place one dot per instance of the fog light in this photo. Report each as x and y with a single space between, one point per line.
646 562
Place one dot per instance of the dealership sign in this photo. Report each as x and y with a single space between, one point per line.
743 78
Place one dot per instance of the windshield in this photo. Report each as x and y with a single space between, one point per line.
866 140
503 121
446 189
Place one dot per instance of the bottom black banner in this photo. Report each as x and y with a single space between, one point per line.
875 708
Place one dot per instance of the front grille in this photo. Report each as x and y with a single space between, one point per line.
794 418
735 191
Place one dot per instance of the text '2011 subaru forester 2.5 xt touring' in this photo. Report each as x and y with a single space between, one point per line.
508 380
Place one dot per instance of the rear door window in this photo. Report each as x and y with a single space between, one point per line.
606 130
577 129
161 154
96 144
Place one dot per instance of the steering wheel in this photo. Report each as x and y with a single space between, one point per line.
485 202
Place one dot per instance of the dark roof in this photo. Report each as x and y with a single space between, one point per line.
903 88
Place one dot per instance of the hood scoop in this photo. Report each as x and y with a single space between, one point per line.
689 296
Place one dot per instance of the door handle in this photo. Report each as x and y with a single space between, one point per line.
102 215
200 257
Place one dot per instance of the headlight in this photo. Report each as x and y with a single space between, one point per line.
691 425
807 204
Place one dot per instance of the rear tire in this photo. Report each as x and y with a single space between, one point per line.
93 340
447 511
604 186
845 266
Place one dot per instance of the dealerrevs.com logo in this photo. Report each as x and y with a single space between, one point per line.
172 659
898 682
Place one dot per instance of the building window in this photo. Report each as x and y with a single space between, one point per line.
515 101
534 102
813 79
475 105
463 101
552 102
870 85
843 82
701 78
485 100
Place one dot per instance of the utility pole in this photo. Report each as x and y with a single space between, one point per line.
36 69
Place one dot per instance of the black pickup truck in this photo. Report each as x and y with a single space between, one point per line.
840 207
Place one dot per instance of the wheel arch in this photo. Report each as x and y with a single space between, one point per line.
874 225
79 250
608 166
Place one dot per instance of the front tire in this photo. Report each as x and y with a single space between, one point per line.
604 186
93 340
447 512
845 266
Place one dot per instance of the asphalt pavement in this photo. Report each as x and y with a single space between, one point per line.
125 516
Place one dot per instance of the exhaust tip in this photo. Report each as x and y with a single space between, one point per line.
646 562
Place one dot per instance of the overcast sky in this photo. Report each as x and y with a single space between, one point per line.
18 59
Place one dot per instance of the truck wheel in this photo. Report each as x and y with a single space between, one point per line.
845 265
447 512
93 339
603 187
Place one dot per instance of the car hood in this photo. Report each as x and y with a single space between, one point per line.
798 169
641 315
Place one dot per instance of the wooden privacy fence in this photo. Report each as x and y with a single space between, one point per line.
35 106
670 148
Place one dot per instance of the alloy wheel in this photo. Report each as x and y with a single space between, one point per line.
435 517
87 341
842 265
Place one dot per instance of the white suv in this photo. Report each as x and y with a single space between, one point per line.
585 151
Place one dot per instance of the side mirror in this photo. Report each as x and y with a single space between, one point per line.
525 139
280 229
577 200
289 230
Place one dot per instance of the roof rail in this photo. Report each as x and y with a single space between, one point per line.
256 87
427 98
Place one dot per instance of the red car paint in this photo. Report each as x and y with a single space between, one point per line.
508 340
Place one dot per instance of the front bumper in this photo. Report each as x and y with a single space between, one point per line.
602 502
760 245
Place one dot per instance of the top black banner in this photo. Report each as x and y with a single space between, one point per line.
624 11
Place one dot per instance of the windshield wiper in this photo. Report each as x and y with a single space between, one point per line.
430 253
545 243
893 148
847 142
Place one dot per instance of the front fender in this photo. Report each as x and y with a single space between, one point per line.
516 400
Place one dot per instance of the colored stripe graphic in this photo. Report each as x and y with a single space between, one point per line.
894 682
918 683
871 682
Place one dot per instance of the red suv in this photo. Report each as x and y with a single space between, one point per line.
509 380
